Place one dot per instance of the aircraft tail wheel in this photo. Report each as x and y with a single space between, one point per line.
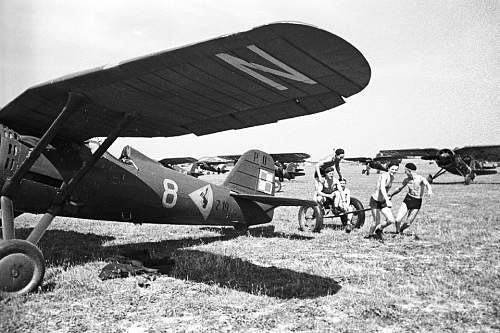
430 179
22 267
277 186
310 218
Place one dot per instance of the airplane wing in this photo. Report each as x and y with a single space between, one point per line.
260 76
481 153
290 157
177 160
234 158
214 160
282 157
358 159
384 159
426 153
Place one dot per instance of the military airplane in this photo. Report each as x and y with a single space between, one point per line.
214 164
466 161
256 77
175 163
194 166
378 163
285 166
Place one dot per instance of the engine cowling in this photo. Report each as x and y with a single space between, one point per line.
446 158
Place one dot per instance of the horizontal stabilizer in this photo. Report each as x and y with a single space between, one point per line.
275 201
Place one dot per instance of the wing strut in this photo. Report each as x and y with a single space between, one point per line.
67 188
73 101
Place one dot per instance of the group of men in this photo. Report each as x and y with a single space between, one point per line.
332 191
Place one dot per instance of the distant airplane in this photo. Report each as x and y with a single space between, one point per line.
193 167
175 163
285 166
214 164
378 163
468 162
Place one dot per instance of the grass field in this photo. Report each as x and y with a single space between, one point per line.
276 278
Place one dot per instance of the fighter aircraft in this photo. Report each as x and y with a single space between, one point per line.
378 163
194 167
175 163
285 166
466 161
260 76
214 164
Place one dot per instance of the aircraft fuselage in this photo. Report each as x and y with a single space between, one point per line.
133 189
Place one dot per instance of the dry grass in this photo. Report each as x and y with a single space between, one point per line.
277 278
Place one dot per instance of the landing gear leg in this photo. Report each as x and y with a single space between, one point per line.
22 266
430 178
21 262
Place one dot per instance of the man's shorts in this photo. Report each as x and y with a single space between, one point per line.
377 204
412 202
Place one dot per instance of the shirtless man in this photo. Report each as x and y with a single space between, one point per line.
332 160
381 203
413 200
326 191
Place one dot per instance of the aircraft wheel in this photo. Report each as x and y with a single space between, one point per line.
22 267
430 179
468 179
310 218
277 185
358 219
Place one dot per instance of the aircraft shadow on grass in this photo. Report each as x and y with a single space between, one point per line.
68 248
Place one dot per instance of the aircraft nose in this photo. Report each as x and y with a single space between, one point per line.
445 158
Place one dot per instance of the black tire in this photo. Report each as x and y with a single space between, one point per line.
359 218
430 179
22 267
277 185
310 218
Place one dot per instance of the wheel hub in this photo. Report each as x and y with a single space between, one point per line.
16 271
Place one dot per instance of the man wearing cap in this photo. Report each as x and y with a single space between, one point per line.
332 160
413 201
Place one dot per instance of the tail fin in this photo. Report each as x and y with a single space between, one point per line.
252 174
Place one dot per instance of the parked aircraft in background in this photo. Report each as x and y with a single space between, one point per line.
185 165
468 162
378 163
214 164
269 73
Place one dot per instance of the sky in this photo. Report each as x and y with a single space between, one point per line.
435 66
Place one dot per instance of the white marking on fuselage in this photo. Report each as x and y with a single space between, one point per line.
203 198
248 67
169 198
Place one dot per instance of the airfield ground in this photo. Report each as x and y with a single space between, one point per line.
276 278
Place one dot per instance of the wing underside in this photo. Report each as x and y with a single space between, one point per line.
481 153
408 153
177 160
282 157
256 77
